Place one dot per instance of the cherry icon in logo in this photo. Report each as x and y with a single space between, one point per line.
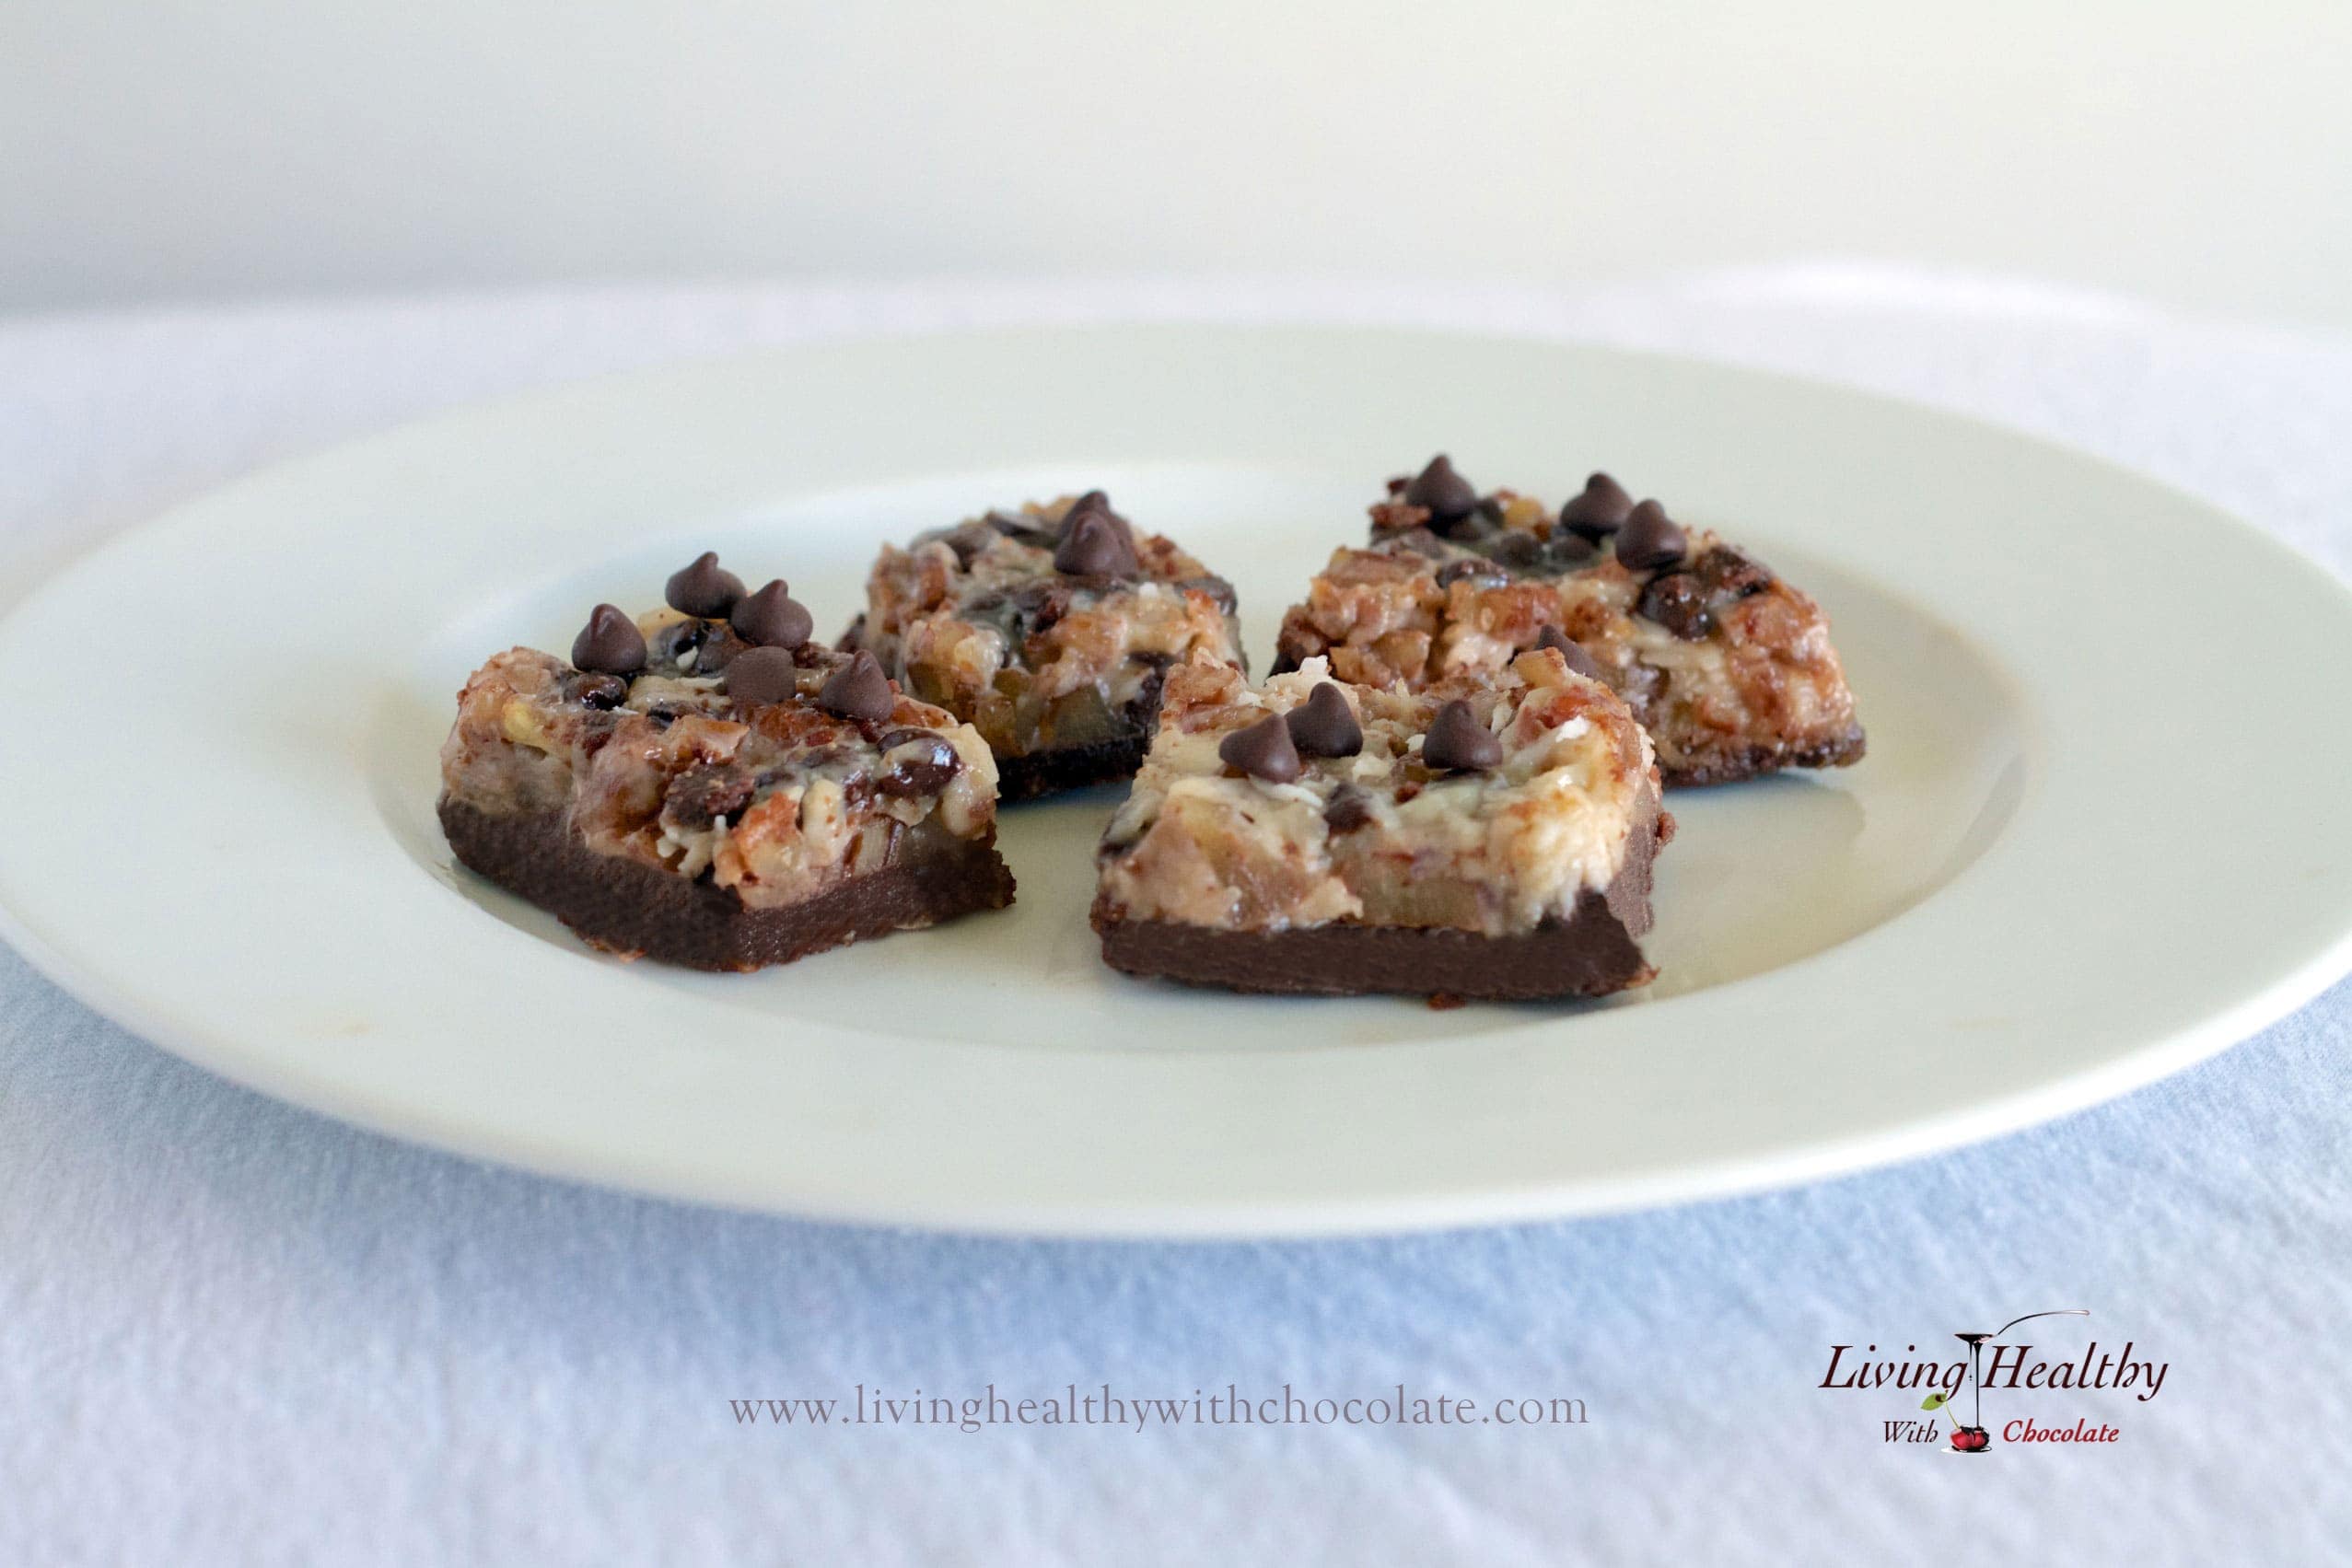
1970 1439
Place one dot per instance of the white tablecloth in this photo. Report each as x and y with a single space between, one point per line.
230 1331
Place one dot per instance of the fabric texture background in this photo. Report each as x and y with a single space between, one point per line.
233 1331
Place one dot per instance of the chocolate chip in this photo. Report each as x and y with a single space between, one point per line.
1263 750
1040 606
858 691
1094 502
601 691
1421 541
763 675
701 588
1650 537
1093 547
1580 661
1458 742
1599 511
703 794
723 644
925 769
1517 549
679 642
1324 725
1678 601
1142 710
1566 550
721 648
1730 574
917 778
610 642
967 540
1444 494
1025 527
1218 588
772 619
1349 809
1454 571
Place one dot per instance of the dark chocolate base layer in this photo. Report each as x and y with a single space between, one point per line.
625 906
1071 767
1735 763
1591 952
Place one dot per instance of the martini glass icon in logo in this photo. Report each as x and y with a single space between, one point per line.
1972 1438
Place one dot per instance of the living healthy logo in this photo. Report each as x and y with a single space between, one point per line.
1996 1361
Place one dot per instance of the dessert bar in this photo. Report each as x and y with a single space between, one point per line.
1488 836
1049 630
1727 665
707 785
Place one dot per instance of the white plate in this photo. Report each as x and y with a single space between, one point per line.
2099 832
